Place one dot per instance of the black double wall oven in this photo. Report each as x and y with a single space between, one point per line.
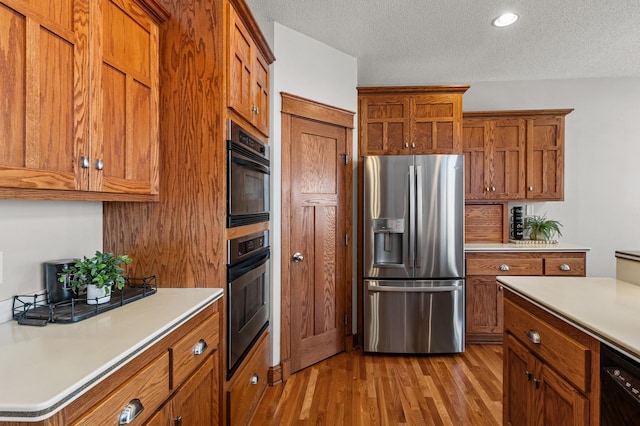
248 169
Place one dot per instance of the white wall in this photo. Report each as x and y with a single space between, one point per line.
32 232
312 70
602 174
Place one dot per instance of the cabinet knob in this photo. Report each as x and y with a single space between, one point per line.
493 189
534 337
413 145
406 145
200 347
254 379
257 110
99 164
504 267
565 267
487 189
130 412
529 375
530 188
178 421
84 162
537 383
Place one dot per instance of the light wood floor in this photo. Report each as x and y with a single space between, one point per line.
371 389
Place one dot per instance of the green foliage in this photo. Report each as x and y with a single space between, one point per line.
102 269
542 228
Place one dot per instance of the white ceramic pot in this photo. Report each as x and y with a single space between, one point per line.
97 295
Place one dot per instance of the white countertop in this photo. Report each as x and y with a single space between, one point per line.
42 369
606 308
513 247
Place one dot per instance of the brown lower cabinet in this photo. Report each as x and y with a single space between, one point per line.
484 316
246 387
175 379
554 381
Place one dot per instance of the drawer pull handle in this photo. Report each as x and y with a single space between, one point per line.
131 411
254 379
504 267
534 337
200 347
565 267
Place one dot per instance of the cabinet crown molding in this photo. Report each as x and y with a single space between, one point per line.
395 90
517 113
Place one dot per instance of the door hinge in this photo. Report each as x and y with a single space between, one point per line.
346 319
346 239
346 158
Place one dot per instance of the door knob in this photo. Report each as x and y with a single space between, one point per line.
298 257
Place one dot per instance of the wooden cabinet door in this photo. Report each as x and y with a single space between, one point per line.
44 85
124 100
556 401
261 93
196 402
384 125
506 162
474 143
545 158
484 306
240 73
518 369
436 124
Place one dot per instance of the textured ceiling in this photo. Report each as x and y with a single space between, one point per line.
453 41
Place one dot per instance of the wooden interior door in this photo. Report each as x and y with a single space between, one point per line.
317 309
316 223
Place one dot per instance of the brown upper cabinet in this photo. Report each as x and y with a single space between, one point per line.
410 120
82 79
514 155
248 74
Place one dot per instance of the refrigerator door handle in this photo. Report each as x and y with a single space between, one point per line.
412 216
419 219
442 289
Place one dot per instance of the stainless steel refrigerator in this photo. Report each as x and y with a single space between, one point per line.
413 260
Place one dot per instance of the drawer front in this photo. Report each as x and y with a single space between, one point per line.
565 355
569 266
244 394
504 266
150 386
189 352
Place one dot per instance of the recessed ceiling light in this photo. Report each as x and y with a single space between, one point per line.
505 19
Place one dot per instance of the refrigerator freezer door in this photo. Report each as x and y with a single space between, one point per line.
439 227
414 316
387 243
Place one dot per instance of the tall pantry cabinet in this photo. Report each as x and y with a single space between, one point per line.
182 238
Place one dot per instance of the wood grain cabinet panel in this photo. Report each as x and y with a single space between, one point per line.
484 306
192 349
80 125
514 155
410 120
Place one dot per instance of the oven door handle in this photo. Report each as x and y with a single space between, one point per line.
243 161
249 265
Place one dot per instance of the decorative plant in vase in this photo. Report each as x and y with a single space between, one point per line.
541 228
98 273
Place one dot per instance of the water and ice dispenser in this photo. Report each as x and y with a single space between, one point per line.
388 235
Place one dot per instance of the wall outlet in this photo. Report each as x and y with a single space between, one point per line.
528 210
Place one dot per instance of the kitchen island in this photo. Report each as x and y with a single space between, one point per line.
64 372
555 331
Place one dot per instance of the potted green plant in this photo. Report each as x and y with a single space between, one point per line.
541 228
98 273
